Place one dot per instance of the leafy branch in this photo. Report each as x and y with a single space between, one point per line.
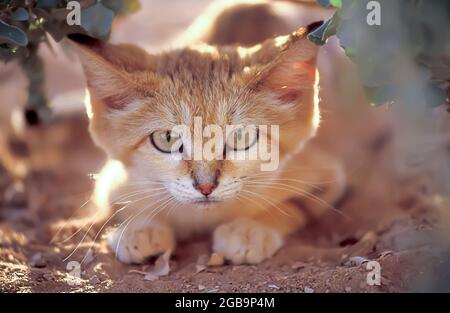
413 34
25 24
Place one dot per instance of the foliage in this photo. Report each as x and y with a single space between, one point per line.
412 34
25 24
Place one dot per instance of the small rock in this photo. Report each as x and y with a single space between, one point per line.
348 289
216 259
199 268
274 286
298 265
308 290
356 261
38 261
201 287
386 253
162 266
151 277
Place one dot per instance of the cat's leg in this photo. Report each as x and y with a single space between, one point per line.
252 240
135 242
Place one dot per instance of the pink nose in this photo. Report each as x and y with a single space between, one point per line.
206 188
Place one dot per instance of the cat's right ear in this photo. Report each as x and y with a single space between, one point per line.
116 74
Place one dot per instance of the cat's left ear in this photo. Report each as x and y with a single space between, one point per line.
291 73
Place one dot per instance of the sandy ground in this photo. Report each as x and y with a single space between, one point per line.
392 219
396 229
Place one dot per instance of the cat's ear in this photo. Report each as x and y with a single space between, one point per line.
289 71
116 74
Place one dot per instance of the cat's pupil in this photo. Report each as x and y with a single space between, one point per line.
168 136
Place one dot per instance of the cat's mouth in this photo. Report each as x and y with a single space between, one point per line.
206 201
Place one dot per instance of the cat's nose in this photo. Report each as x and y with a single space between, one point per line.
206 188
205 178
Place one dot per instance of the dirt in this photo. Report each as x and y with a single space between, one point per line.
330 255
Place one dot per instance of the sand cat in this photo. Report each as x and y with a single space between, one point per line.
144 109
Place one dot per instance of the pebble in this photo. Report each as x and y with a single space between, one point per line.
357 261
216 259
348 289
201 287
386 253
308 290
38 261
298 265
199 268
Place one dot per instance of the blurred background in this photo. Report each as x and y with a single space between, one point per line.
397 157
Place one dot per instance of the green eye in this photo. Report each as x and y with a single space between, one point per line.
166 141
242 138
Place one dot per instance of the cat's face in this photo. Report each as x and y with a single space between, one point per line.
150 112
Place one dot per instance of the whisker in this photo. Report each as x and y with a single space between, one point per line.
88 220
112 216
131 218
274 179
302 193
253 201
268 201
52 241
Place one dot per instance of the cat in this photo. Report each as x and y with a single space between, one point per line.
135 100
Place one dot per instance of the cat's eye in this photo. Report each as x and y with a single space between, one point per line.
166 141
242 138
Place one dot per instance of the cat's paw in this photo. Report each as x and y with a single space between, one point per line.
135 244
246 241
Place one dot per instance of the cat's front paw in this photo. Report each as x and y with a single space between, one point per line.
136 244
246 241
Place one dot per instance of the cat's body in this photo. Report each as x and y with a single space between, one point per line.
158 200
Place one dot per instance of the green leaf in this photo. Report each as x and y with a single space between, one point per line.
47 4
327 29
330 3
132 6
20 15
12 35
336 3
350 52
122 6
97 20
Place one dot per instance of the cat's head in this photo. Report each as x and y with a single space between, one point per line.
136 100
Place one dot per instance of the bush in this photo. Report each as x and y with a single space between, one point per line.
406 58
25 24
